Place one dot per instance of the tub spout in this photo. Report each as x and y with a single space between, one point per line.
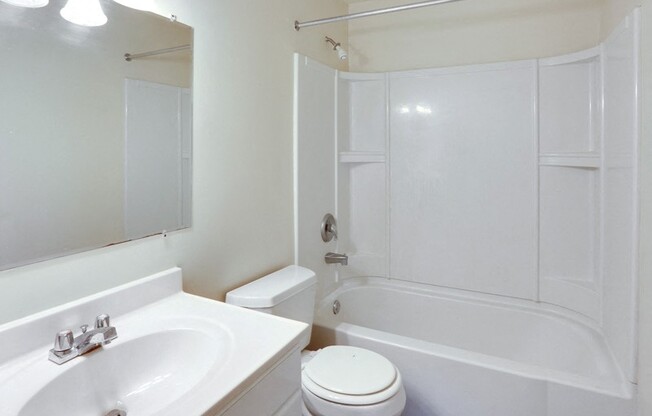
333 258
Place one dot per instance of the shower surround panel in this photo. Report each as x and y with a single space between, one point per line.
463 172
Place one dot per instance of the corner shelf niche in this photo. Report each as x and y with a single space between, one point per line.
362 189
570 180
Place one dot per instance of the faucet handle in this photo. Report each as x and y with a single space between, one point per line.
102 321
63 341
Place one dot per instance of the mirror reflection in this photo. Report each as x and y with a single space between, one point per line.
95 149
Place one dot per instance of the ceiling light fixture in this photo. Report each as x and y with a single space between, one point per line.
341 52
27 3
84 12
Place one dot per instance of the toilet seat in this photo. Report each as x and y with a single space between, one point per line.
351 376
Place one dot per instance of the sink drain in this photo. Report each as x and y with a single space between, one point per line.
117 412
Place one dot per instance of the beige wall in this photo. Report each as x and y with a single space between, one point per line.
477 31
242 207
471 32
614 11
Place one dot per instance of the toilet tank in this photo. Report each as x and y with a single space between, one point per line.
289 293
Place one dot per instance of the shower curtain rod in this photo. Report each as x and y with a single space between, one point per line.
129 56
298 25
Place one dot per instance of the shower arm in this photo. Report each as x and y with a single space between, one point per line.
332 42
298 25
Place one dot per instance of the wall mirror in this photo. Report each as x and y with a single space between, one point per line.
94 149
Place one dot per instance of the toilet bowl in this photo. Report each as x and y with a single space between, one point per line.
350 381
337 380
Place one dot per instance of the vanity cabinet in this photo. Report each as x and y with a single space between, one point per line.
277 393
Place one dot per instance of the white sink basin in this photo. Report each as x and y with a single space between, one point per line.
176 355
143 374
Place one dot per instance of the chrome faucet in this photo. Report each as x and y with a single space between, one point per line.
66 347
332 258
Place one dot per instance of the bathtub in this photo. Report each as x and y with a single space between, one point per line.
466 354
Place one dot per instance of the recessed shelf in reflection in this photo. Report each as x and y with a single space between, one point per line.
362 157
577 160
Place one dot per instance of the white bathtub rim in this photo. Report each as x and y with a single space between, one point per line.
524 305
619 389
580 321
617 385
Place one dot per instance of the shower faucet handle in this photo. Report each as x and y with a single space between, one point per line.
328 228
332 228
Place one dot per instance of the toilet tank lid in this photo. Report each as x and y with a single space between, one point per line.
272 289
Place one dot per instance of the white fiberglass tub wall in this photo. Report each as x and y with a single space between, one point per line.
476 355
515 180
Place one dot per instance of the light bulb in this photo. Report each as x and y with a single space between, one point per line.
27 3
146 5
84 12
341 52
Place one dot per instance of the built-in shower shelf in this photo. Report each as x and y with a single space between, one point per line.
576 160
362 157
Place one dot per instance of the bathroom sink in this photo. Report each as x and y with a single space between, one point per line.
143 374
175 354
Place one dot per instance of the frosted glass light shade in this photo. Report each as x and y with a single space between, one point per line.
84 12
27 3
146 5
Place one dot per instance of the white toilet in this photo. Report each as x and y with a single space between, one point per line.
337 380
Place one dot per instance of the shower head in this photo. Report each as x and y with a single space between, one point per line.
341 52
337 47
